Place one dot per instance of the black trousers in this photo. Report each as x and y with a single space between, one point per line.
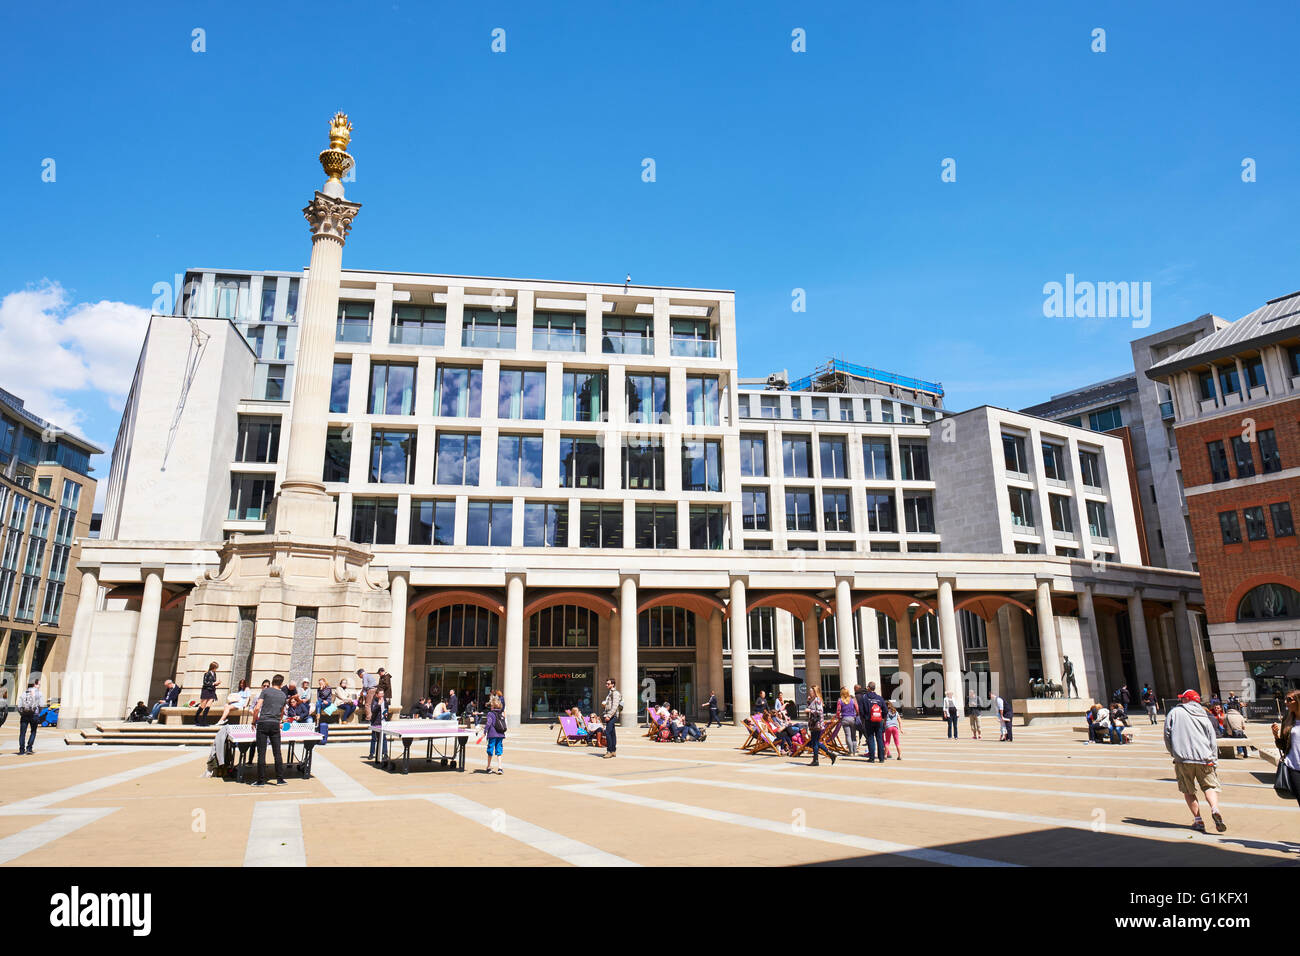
611 737
268 730
713 718
27 722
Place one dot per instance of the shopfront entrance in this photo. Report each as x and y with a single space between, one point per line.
469 681
554 688
673 684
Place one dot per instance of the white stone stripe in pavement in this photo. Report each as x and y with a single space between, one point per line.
337 780
101 783
547 841
275 835
25 764
47 831
849 840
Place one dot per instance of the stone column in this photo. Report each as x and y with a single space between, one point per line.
1137 624
783 648
146 638
812 649
75 687
844 632
302 507
512 678
906 666
740 707
1047 642
950 644
870 648
1196 671
1019 652
993 633
715 660
627 649
1091 635
398 585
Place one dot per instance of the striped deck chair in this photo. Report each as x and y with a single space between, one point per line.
766 739
657 724
571 732
831 735
752 739
804 744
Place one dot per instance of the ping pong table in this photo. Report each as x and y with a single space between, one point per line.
447 736
243 738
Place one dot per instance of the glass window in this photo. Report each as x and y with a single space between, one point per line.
1230 527
584 396
354 321
1061 513
769 406
628 335
1097 526
374 520
643 465
820 409
1228 381
701 466
1053 461
1269 602
918 513
258 439
268 299
1245 461
519 461
275 375
392 457
1105 419
460 391
582 461
340 385
1282 526
693 338
796 406
914 461
1254 372
1256 526
338 454
666 627
462 625
231 295
880 514
762 628
837 514
522 394
560 332
250 496
600 526
796 453
563 626
1218 461
457 459
546 524
488 329
834 460
647 398
392 389
1205 383
433 522
487 524
753 503
799 510
418 325
1293 359
1090 469
1013 454
877 458
886 411
707 523
1270 458
753 456
701 400
255 335
291 308
281 343
656 526
1022 507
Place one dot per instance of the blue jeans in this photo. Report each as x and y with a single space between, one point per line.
27 722
157 709
1116 735
611 736
873 731
378 742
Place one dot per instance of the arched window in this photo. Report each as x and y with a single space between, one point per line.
461 625
1269 602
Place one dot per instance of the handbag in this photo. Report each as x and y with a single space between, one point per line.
1282 782
331 710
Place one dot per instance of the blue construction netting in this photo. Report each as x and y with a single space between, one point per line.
864 371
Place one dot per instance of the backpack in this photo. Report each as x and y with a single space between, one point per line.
27 702
501 721
877 714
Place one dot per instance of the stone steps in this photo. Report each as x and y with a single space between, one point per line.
121 734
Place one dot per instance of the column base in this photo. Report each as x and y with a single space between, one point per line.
302 509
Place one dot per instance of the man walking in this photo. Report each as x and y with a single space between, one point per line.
713 711
1149 699
29 715
873 723
612 708
266 718
369 684
1190 740
1004 715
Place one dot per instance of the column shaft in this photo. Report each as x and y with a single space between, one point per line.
397 588
812 653
1195 669
950 645
1050 649
740 705
844 633
1137 624
146 639
74 692
512 679
627 663
871 648
906 666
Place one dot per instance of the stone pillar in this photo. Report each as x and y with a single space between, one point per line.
627 663
302 507
146 638
1090 634
740 707
783 649
512 677
812 649
844 632
76 685
870 648
1137 624
950 644
398 585
993 633
715 661
906 666
1047 642
1019 652
1195 669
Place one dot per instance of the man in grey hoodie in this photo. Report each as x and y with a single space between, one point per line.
1190 740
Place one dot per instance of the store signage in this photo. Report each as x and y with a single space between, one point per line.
562 675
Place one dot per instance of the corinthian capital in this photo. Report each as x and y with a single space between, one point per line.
330 217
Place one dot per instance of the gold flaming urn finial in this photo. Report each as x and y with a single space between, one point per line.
335 160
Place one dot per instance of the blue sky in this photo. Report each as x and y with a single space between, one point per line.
775 170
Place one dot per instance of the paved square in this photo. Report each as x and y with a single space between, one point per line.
1046 800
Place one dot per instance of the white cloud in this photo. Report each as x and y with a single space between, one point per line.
56 355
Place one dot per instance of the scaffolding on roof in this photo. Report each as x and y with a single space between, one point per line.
835 374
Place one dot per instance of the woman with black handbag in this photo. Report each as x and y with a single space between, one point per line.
1287 782
816 712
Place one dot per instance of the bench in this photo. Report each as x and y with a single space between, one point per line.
185 715
1227 746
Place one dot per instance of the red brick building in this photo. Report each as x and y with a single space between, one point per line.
1236 396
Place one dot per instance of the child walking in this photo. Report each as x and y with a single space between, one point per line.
892 717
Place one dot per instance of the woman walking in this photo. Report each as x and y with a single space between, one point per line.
207 695
892 718
950 712
972 711
494 729
847 708
816 712
1288 742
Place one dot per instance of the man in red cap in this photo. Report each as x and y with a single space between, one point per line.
1190 740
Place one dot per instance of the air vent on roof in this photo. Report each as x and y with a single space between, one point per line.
1281 297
